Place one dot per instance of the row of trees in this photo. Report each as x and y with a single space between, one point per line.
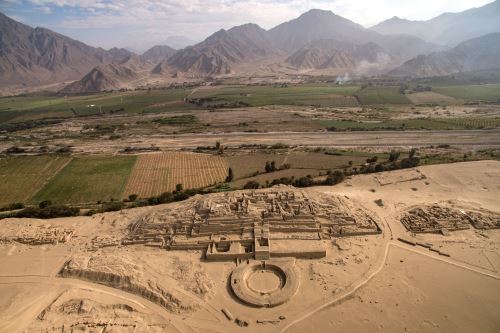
47 209
271 166
335 177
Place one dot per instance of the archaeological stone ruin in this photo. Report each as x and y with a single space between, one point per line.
259 224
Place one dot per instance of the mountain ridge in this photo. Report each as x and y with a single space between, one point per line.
448 28
479 53
39 56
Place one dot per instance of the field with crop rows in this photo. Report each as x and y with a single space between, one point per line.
245 165
473 123
381 95
431 97
154 174
302 163
413 124
471 93
322 95
88 180
21 177
22 108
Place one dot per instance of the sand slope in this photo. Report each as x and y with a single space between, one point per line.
365 283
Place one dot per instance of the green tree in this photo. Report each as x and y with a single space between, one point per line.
45 203
268 166
230 175
179 187
394 156
251 184
334 178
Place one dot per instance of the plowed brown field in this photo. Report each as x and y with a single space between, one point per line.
154 174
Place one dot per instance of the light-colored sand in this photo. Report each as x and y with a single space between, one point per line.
364 283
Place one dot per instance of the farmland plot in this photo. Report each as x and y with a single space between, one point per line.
88 180
154 174
22 176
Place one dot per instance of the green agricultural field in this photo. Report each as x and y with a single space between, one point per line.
21 177
24 108
302 163
88 179
414 124
322 95
381 95
471 93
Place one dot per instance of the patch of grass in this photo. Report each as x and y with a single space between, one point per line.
320 95
302 163
381 95
178 120
471 93
22 176
245 165
413 124
88 179
24 108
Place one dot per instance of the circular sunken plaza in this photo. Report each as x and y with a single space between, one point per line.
266 283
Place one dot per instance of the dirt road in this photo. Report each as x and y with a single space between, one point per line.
483 138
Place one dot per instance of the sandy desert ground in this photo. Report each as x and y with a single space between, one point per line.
176 267
467 139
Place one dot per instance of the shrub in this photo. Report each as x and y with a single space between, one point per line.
45 203
303 182
410 162
334 178
252 184
112 207
48 212
133 197
14 206
180 196
282 180
394 155
153 201
165 197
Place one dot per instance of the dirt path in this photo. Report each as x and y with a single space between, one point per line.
473 138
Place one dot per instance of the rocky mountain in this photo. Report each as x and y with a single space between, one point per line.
112 76
219 52
323 25
318 25
158 53
224 50
103 78
475 54
36 56
450 28
314 41
329 53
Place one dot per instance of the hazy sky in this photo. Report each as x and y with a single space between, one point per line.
140 24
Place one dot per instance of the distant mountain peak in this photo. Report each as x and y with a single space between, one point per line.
447 28
317 12
475 54
158 53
